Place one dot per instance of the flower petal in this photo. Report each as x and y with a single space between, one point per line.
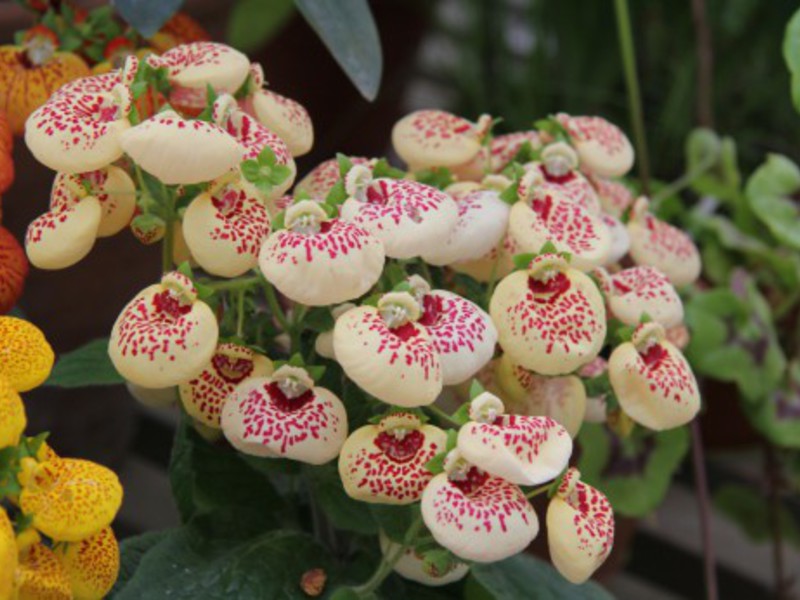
26 358
12 416
40 575
634 292
411 565
602 146
319 181
435 138
91 565
8 556
286 117
61 238
13 270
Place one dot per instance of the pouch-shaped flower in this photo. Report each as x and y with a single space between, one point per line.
91 565
26 357
602 146
64 236
633 293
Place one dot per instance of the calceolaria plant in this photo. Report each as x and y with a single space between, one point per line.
377 373
55 512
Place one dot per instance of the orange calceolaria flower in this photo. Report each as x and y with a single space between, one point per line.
13 270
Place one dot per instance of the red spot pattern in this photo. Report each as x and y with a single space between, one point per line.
292 111
393 469
614 196
324 176
336 241
567 321
594 129
48 222
403 350
524 436
254 137
454 324
62 197
644 284
667 374
503 148
211 388
197 54
433 128
667 242
94 84
565 223
266 420
240 222
394 201
78 121
574 186
593 519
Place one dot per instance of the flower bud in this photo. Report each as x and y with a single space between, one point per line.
412 565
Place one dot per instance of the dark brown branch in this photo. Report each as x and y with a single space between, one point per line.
705 65
704 510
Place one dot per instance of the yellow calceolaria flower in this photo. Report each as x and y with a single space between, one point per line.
39 574
92 565
8 556
70 499
26 358
12 415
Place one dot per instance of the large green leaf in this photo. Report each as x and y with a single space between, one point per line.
767 191
86 366
634 474
524 576
187 563
254 22
777 415
147 16
347 28
342 511
132 550
791 54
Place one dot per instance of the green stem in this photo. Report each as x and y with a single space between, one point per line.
426 271
625 36
240 313
538 491
389 561
441 415
275 306
492 282
227 285
683 181
168 243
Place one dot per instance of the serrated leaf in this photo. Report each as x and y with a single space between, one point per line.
348 30
86 366
147 16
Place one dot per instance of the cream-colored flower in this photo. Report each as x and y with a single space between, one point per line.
602 146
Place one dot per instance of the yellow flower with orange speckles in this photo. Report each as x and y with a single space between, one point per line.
26 358
12 416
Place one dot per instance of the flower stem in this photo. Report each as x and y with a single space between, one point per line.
684 180
625 37
240 313
704 510
240 283
168 243
389 561
275 306
538 491
441 415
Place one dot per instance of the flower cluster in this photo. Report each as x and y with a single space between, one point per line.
55 534
519 261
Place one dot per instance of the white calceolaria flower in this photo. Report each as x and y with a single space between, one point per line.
603 148
633 293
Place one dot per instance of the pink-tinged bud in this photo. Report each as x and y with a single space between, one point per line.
204 396
181 151
112 187
165 335
602 146
225 228
285 416
652 380
76 133
319 181
313 582
615 197
504 148
562 399
320 261
62 237
521 449
476 516
387 353
148 229
633 293
462 334
385 463
410 218
435 138
546 215
658 244
550 319
481 225
412 566
191 68
580 528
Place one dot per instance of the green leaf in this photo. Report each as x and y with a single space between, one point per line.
342 511
791 54
438 177
702 149
436 464
633 473
475 389
132 550
89 365
523 261
394 520
767 192
147 16
382 168
254 22
749 509
188 563
523 576
348 30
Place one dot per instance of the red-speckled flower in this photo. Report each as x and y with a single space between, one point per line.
39 574
558 167
12 416
410 218
436 138
521 449
112 187
319 181
492 266
475 515
79 132
284 116
192 68
544 215
550 319
385 463
615 197
481 225
285 416
503 148
91 565
70 499
204 396
658 244
620 239
13 270
319 261
225 228
165 335
580 528
461 332
412 565
563 399
602 146
181 151
26 358
387 353
652 380
8 556
633 293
